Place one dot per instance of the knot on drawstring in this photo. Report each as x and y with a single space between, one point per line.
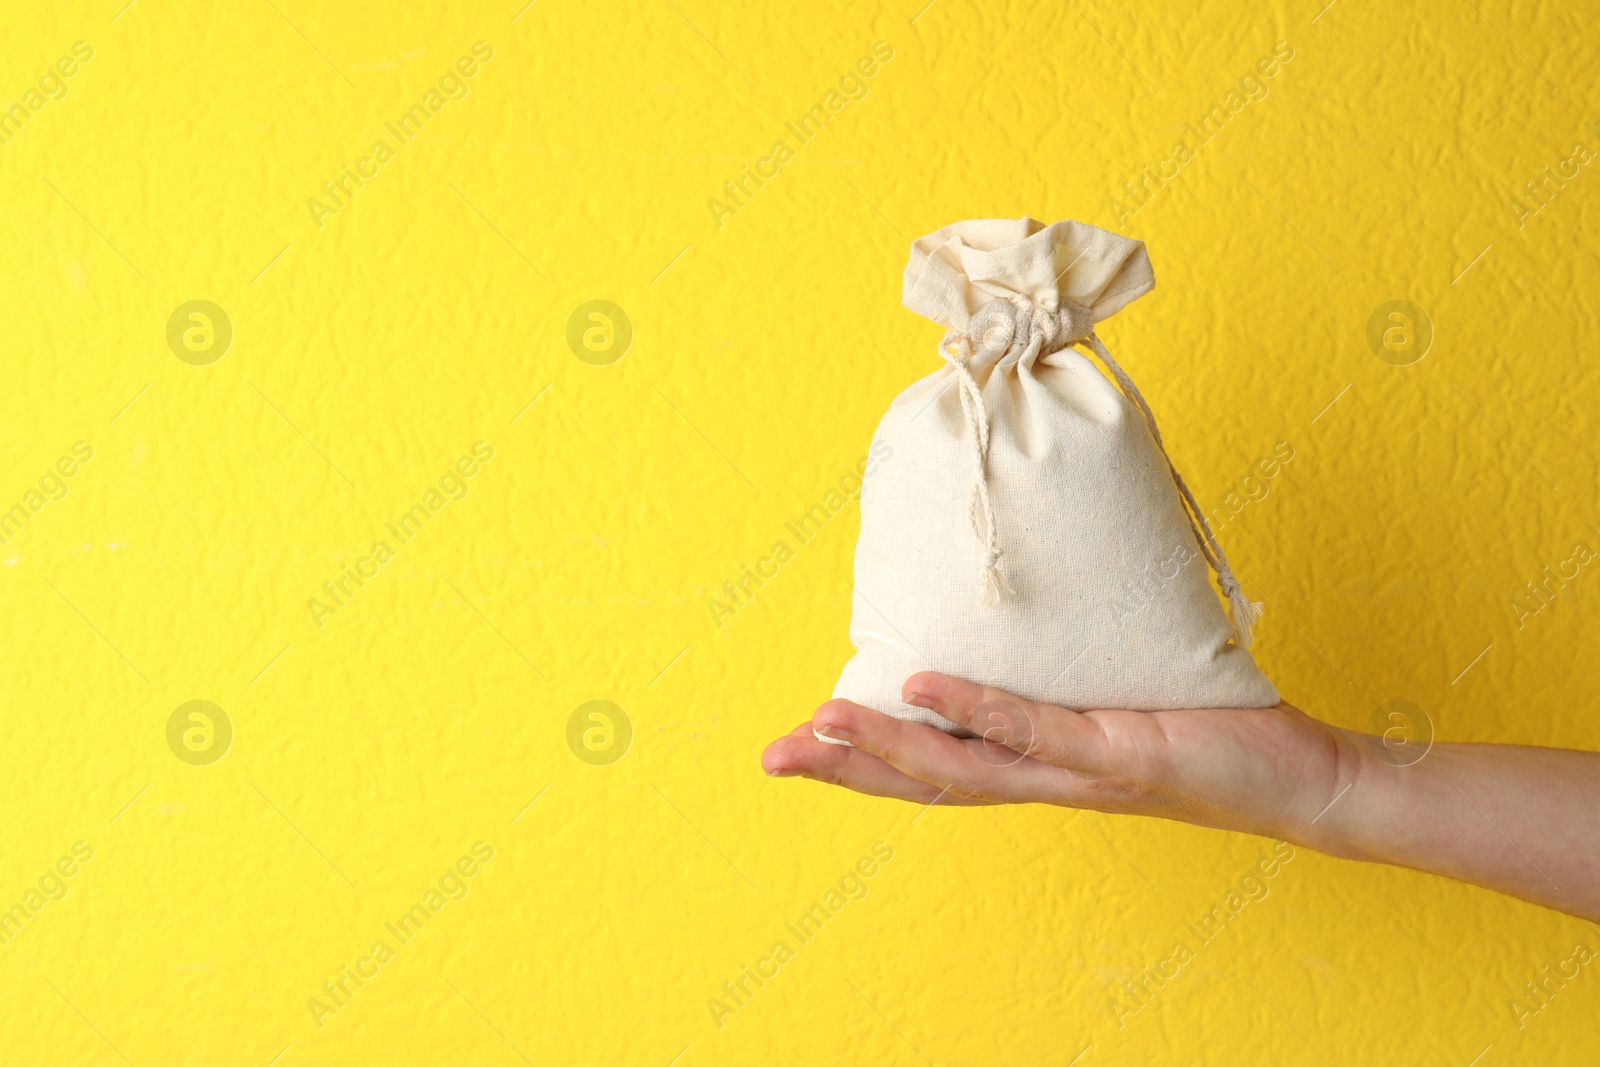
1003 331
1068 324
995 586
1241 611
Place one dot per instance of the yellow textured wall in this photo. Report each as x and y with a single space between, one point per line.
376 340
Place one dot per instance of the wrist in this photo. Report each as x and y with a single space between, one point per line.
1335 818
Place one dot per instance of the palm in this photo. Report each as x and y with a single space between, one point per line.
1233 768
1210 765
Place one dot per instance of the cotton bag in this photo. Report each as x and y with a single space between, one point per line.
1029 532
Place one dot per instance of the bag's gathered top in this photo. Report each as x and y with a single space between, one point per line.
1009 290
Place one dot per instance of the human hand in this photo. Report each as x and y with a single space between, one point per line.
1268 771
1516 819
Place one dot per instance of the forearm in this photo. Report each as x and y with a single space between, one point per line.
1522 821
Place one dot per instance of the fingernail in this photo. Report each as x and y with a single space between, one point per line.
783 772
834 731
921 701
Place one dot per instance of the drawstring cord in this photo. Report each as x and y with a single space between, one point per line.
1072 319
981 511
1240 610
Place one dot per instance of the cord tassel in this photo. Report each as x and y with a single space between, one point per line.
1244 615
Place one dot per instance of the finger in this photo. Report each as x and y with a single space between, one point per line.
1053 735
805 756
935 757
